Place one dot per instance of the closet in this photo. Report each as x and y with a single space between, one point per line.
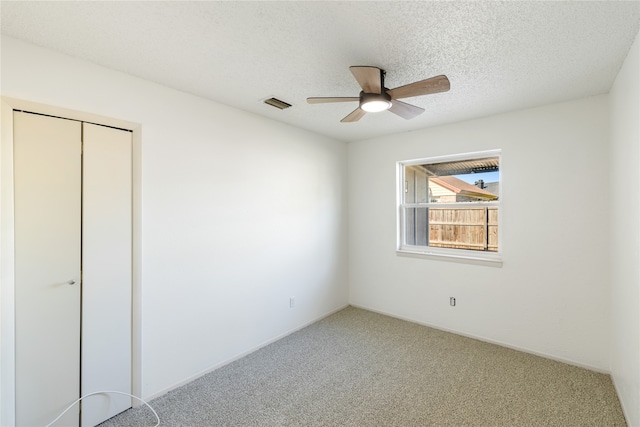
73 269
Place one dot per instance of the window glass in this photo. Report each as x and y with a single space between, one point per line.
450 203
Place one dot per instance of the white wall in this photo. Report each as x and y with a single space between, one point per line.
551 296
625 235
239 213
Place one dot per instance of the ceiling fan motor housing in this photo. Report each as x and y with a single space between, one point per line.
373 102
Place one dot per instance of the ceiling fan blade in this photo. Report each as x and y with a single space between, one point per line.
423 87
322 100
354 116
404 110
369 78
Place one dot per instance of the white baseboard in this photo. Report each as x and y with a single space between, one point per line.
239 356
272 340
624 408
490 341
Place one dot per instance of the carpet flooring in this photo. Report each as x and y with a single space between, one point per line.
359 368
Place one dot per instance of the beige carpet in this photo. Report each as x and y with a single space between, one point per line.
358 368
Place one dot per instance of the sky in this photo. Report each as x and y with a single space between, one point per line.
485 176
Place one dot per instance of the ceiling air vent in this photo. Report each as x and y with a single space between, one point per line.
274 102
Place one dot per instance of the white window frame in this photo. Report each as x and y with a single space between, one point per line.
447 254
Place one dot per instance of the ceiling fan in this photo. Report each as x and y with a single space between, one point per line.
374 97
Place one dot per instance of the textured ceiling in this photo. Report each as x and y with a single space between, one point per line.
499 56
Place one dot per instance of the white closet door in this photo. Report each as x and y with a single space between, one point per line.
106 283
47 179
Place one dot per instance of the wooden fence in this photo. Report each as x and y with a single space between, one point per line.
462 228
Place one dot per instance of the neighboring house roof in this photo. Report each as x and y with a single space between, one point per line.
458 186
492 187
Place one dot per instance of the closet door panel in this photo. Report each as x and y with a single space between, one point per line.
106 284
47 179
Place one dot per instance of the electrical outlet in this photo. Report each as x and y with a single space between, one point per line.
292 302
452 301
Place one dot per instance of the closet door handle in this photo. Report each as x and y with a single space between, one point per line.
71 282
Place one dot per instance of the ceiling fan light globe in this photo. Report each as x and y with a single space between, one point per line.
375 106
374 102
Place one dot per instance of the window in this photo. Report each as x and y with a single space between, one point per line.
450 206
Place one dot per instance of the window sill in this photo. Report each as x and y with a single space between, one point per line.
466 257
